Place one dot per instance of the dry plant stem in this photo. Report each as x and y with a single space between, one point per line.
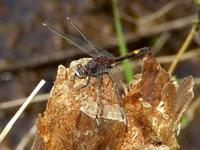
26 139
161 42
144 31
163 27
20 111
182 49
150 18
18 102
39 61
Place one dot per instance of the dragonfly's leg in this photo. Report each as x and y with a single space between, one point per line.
98 99
87 83
107 84
119 99
74 78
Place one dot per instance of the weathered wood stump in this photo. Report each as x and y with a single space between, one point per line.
153 106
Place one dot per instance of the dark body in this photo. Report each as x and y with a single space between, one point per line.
101 62
100 65
96 66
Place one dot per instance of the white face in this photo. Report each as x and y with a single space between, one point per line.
77 73
81 73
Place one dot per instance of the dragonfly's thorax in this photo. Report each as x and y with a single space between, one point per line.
97 66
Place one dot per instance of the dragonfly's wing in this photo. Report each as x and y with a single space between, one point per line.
120 91
86 46
103 52
98 50
82 45
119 85
92 48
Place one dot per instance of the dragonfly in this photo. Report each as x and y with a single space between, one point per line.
101 63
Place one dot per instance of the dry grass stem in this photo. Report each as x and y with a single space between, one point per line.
19 102
26 139
161 12
20 111
183 48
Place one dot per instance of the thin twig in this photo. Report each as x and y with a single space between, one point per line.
18 102
170 25
161 12
144 31
161 42
40 60
24 142
20 110
182 49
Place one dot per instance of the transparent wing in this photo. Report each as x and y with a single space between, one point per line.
120 91
85 47
103 52
119 85
91 48
98 50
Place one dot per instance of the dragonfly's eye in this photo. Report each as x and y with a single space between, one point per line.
80 72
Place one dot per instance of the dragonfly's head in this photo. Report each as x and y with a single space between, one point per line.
81 71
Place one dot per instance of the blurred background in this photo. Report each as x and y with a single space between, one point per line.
30 52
